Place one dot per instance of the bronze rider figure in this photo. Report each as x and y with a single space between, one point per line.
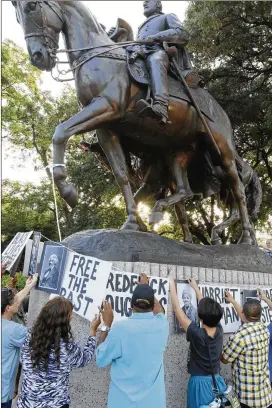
161 27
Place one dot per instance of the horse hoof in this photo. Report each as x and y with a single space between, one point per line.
131 224
217 241
69 194
155 217
59 173
188 240
245 241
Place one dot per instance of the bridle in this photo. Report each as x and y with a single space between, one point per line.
45 32
53 51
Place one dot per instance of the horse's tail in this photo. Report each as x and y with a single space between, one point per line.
254 195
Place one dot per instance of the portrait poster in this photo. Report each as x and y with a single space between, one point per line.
120 288
266 311
14 249
230 321
188 303
84 283
51 267
33 254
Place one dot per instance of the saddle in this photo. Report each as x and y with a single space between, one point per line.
138 71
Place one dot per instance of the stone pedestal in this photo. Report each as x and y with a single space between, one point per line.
244 266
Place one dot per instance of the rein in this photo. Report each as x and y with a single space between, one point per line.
86 58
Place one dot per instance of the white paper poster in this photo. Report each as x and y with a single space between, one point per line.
230 321
84 283
14 249
29 255
120 288
188 303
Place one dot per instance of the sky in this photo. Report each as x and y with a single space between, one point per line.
107 13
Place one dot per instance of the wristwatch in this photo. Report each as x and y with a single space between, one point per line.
105 329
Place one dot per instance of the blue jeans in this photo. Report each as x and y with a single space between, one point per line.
6 404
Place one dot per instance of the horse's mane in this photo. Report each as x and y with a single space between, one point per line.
82 10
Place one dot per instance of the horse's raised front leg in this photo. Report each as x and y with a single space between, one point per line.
179 168
110 143
89 118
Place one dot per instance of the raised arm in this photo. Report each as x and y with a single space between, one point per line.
180 315
30 284
144 280
236 305
264 298
194 285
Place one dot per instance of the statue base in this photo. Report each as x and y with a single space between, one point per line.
235 266
131 246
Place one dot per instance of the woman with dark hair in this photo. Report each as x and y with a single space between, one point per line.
206 344
49 354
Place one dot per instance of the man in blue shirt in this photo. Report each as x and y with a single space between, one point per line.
135 349
13 336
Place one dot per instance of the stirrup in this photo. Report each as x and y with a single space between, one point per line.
146 111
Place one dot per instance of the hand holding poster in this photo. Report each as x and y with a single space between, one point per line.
14 249
230 321
84 283
120 288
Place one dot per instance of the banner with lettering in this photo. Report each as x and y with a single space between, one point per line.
14 249
230 321
84 283
33 254
120 288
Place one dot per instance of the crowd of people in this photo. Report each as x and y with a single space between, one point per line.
134 348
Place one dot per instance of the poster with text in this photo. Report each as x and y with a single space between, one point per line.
266 311
14 249
51 267
33 254
84 283
230 321
120 288
188 303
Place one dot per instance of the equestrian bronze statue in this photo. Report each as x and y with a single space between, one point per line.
113 81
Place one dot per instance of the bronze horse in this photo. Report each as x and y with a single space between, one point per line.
109 96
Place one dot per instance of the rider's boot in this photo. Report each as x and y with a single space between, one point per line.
157 111
157 65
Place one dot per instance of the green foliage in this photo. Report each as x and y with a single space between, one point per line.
27 207
21 281
231 46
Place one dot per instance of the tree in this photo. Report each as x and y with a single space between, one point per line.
26 207
231 46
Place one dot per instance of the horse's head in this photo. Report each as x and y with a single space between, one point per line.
42 22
